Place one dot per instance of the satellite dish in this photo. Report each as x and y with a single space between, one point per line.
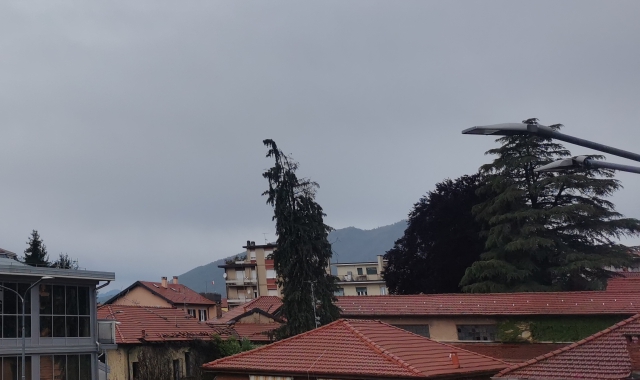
224 275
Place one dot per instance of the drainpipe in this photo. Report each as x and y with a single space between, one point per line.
128 363
103 285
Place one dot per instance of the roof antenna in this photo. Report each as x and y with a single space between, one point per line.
265 237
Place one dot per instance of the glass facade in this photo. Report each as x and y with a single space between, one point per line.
64 311
11 366
11 310
65 367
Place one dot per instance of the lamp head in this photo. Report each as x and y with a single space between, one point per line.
504 129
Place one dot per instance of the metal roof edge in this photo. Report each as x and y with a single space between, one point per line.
57 272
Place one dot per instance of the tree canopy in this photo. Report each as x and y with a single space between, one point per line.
303 251
65 262
440 242
546 231
36 252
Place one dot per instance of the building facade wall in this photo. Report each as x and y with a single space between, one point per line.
43 344
139 296
121 361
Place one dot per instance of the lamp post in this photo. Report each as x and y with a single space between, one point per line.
533 128
22 297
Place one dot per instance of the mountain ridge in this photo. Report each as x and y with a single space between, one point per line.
349 244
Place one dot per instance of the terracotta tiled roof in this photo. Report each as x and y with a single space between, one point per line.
624 284
269 304
177 293
511 352
168 323
603 355
362 348
558 303
255 332
158 324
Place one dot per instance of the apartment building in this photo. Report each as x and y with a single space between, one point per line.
361 279
250 276
64 337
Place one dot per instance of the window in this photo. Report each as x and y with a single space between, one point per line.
191 312
64 311
361 291
271 273
65 367
135 368
422 330
477 332
360 272
372 270
202 315
11 310
383 290
176 369
339 292
11 367
187 363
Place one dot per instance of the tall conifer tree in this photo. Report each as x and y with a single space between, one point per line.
303 251
36 252
547 231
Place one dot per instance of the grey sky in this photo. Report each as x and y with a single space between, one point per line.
131 132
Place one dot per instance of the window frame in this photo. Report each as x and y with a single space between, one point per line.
488 331
358 292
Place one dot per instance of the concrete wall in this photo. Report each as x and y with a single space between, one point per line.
256 318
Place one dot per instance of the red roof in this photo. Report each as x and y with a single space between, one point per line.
255 332
510 352
269 304
603 355
550 303
624 284
177 293
360 348
157 323
168 323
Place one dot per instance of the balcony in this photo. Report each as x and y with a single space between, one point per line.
107 333
241 282
360 278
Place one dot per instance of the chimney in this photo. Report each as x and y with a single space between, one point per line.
175 280
144 333
633 348
454 360
218 309
164 282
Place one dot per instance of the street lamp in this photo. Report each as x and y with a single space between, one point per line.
22 297
531 127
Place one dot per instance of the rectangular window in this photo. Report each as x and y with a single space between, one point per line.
339 292
12 365
383 290
191 312
64 311
477 332
271 273
422 330
202 314
11 310
135 368
360 272
65 367
361 291
372 270
176 369
187 363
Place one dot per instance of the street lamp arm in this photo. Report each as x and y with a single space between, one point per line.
585 162
511 129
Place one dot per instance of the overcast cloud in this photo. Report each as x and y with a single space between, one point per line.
131 131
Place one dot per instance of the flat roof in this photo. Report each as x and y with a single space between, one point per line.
20 269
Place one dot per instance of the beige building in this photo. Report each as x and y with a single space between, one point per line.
361 279
166 294
251 276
